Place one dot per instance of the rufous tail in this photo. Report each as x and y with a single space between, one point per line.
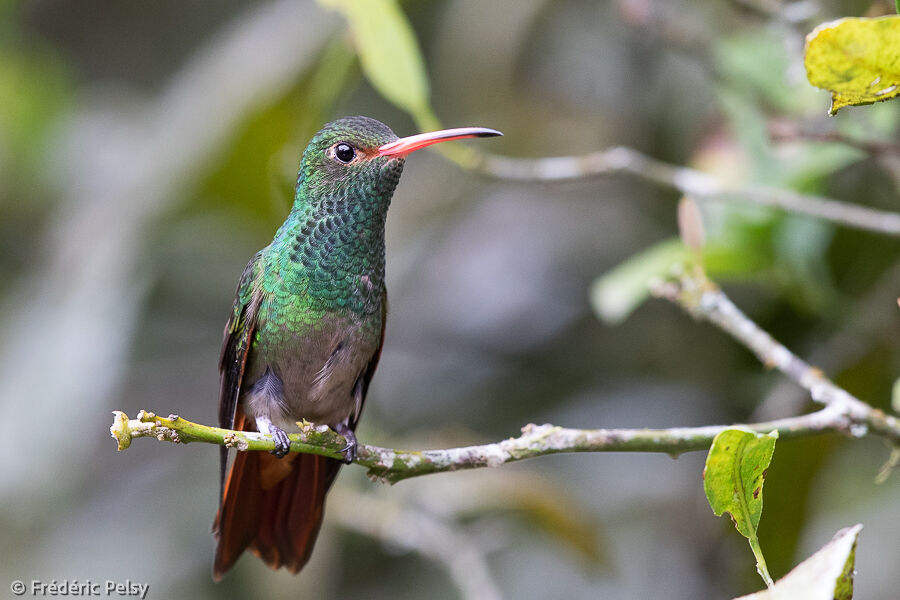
274 506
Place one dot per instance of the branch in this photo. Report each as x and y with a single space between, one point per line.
790 131
690 182
700 297
536 440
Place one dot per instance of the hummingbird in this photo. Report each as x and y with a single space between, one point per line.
304 337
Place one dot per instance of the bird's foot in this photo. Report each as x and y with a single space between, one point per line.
282 443
349 451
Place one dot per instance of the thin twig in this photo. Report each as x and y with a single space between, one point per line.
790 131
700 186
536 440
701 298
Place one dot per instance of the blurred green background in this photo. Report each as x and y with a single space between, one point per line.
148 149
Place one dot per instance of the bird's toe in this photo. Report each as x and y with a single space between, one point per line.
348 451
282 443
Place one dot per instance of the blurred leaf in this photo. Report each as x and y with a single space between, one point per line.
826 575
733 481
795 248
619 292
754 70
856 59
34 91
755 65
750 127
392 62
801 244
256 173
329 80
616 294
242 178
389 53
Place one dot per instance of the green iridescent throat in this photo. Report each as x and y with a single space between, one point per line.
329 253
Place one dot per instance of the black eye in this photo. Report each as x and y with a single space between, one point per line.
344 152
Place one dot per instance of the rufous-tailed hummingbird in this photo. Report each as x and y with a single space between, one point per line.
304 337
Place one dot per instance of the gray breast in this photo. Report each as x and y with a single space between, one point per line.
315 374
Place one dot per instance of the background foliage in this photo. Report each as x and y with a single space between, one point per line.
148 149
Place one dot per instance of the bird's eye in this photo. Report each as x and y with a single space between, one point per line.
344 152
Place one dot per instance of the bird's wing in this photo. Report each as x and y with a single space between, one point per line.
238 340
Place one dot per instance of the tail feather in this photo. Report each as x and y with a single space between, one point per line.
278 519
238 518
291 520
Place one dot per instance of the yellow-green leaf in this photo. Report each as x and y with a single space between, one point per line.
388 52
733 481
856 59
734 475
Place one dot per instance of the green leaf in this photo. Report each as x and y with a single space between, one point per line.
734 475
825 575
733 481
388 52
856 59
618 293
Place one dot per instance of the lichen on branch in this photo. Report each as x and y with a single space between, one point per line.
394 465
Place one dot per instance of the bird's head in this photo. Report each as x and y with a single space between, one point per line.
361 159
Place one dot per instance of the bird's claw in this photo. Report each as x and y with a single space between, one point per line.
348 451
282 443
